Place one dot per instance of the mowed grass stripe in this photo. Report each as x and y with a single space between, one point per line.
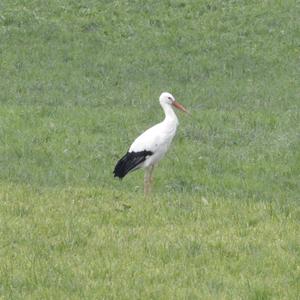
111 244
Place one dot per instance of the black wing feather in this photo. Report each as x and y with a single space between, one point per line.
129 162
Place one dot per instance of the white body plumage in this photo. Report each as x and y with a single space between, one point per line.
156 139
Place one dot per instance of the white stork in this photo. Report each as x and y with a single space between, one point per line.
150 147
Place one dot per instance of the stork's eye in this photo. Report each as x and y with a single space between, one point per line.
170 98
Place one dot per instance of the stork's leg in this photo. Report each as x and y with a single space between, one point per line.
151 178
148 180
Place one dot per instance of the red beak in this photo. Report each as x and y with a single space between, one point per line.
179 106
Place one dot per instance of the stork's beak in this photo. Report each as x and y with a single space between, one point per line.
179 106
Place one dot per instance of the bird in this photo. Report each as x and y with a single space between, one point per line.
151 146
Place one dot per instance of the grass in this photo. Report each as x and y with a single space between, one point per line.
97 243
79 81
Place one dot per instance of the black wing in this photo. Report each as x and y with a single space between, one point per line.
129 162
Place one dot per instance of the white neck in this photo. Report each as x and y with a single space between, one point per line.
170 114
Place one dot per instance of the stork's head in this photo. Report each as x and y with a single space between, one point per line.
167 98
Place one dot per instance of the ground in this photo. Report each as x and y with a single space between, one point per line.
80 80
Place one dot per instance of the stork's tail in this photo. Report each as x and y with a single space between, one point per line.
130 162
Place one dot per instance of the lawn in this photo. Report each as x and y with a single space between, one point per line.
80 80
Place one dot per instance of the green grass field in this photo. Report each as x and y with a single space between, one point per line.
80 80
